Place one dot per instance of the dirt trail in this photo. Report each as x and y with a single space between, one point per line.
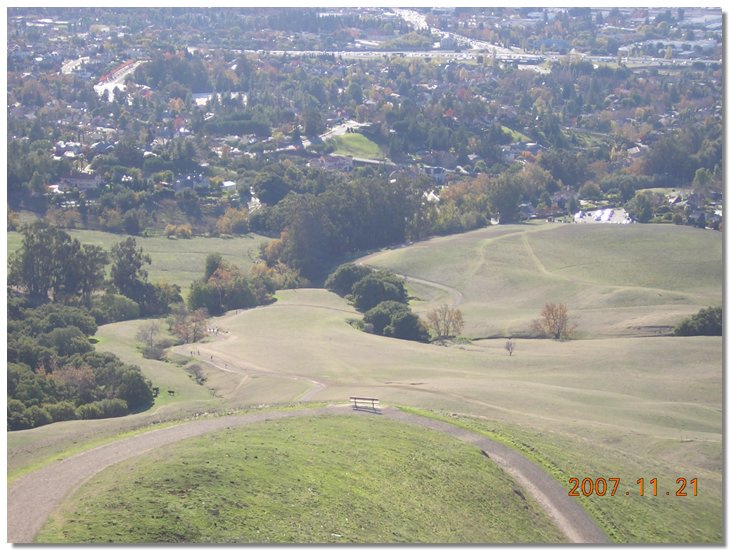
456 295
32 498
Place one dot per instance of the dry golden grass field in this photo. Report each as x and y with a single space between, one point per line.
622 399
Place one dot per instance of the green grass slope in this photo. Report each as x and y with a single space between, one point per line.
357 145
603 405
351 480
615 279
611 407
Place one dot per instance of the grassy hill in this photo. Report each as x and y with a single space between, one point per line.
612 407
607 404
615 280
305 481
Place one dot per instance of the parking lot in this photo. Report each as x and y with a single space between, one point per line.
603 215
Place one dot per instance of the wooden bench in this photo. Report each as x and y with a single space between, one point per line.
371 403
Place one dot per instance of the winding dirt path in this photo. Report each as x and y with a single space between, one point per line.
456 295
32 498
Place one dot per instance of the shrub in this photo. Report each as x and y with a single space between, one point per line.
394 319
112 308
378 287
38 416
707 322
65 410
135 389
66 341
407 326
18 418
113 407
345 277
50 316
89 411
381 315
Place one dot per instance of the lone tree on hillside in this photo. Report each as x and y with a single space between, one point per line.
553 322
445 321
148 334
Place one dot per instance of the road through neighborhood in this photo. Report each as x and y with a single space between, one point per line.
33 497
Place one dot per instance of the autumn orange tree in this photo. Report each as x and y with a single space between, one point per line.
553 322
445 321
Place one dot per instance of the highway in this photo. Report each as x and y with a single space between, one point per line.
480 47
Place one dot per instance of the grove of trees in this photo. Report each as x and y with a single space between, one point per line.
50 266
382 297
54 374
57 294
707 322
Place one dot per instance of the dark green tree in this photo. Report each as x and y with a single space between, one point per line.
383 313
36 267
345 277
111 308
504 195
135 389
640 207
127 271
92 262
378 287
270 188
212 262
406 326
52 265
66 341
707 322
309 242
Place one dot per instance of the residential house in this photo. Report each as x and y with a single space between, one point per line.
333 162
80 181
191 181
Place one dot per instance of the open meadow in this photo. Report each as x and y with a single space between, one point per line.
178 261
621 400
357 145
616 280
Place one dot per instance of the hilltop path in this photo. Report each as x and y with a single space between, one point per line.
32 498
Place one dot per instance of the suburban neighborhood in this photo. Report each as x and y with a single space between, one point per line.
365 275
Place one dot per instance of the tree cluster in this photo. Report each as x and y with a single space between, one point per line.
707 322
57 296
382 297
226 288
129 276
445 321
52 266
181 72
54 374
